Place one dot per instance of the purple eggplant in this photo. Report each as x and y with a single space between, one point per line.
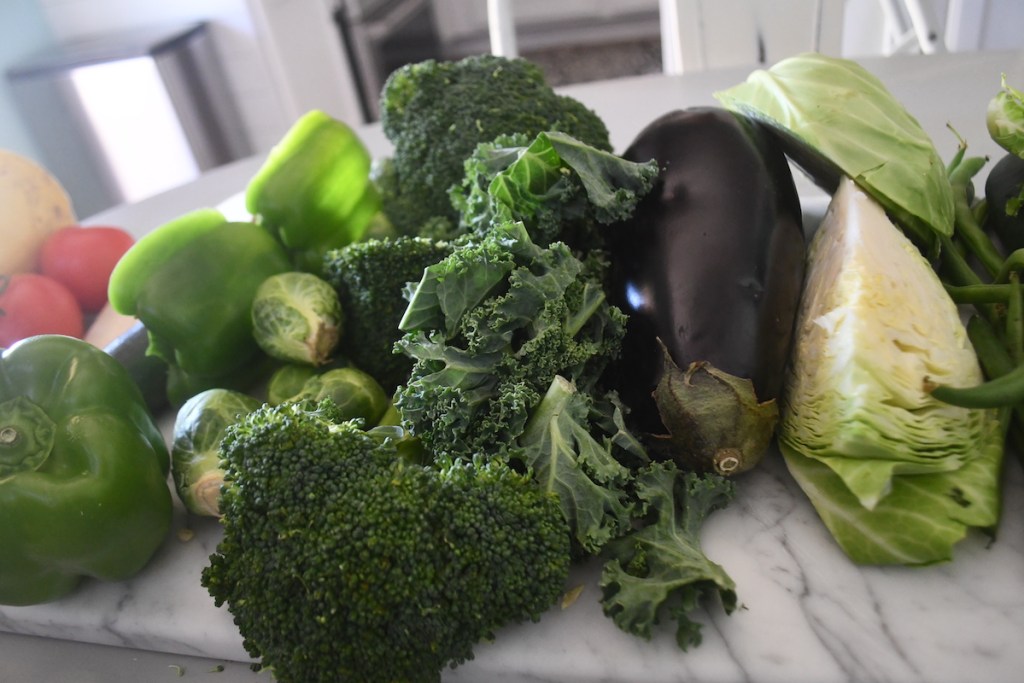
1004 191
710 270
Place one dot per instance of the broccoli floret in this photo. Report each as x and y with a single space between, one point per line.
342 560
370 278
436 112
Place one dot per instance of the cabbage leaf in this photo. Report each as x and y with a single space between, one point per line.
921 518
839 119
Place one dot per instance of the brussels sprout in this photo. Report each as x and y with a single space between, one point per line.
896 475
391 417
287 382
355 392
1005 119
195 449
296 317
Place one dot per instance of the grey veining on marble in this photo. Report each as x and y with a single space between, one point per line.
163 608
807 613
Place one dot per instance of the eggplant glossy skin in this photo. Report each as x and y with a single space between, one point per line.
712 262
1004 183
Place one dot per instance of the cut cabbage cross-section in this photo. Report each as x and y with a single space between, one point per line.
896 475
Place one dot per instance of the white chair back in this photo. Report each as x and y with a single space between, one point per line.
703 34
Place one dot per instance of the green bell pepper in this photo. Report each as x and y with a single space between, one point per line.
191 282
83 471
314 191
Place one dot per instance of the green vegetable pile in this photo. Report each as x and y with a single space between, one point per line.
229 327
437 440
384 544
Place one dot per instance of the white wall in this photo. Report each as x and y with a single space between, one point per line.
306 57
281 57
23 31
232 29
995 24
1003 25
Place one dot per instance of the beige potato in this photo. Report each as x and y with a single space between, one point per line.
33 204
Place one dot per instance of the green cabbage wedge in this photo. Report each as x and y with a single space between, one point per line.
838 119
897 476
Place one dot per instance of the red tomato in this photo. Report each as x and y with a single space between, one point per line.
33 304
82 258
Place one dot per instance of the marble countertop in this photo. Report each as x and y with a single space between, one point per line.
807 613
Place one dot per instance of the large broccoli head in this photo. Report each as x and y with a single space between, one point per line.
343 561
436 112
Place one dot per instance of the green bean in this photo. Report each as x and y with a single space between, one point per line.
1006 384
979 294
1005 390
1014 262
958 156
957 268
1015 320
991 352
980 211
995 362
967 227
960 273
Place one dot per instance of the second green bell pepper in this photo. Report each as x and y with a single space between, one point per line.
83 471
191 282
314 191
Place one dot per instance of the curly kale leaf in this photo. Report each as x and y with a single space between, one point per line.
452 287
489 327
567 459
660 568
559 187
